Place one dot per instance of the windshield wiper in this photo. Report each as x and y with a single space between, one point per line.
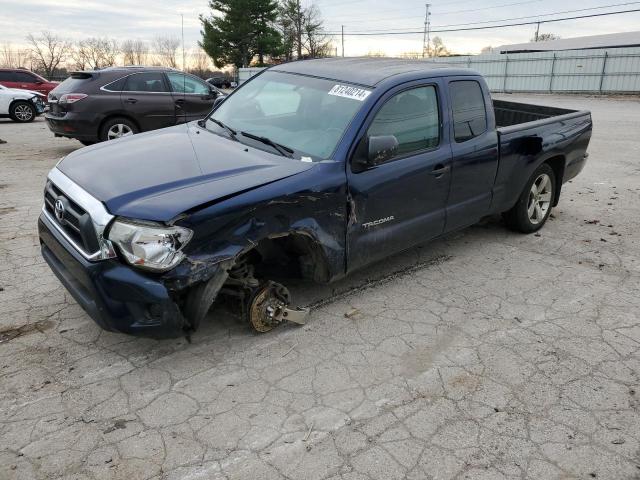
231 131
282 150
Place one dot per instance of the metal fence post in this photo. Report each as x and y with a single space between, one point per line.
506 68
604 68
553 67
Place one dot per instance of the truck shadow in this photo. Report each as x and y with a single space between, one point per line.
225 317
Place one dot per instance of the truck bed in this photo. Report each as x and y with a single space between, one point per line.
513 113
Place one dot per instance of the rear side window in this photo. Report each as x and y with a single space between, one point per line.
6 77
469 113
23 77
116 86
150 82
412 117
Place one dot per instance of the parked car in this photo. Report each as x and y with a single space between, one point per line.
25 80
20 105
310 169
98 105
219 82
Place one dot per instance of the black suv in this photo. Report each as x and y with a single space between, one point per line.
98 105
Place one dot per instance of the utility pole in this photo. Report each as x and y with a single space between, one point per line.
183 56
343 40
427 31
537 31
299 28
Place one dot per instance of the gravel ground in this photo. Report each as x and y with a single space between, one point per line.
484 355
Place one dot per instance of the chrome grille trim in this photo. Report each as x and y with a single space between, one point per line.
100 218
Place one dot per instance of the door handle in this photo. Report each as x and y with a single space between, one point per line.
130 100
179 103
440 170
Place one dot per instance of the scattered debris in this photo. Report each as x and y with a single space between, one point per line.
2 141
592 222
603 240
352 313
306 437
290 350
618 441
119 424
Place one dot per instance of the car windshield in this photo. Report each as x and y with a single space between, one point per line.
304 114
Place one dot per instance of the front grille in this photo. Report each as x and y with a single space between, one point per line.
74 220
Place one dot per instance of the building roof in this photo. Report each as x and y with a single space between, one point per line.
612 40
366 71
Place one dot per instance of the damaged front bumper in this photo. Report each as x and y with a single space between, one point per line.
117 297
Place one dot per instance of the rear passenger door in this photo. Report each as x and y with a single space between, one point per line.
401 202
474 145
146 98
193 97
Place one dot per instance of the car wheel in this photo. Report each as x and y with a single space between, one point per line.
22 112
535 203
117 128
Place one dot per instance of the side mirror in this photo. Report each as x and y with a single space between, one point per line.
219 99
381 149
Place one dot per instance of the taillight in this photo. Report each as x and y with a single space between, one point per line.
72 97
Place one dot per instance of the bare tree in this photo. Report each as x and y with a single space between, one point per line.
315 42
48 51
543 37
301 29
166 51
95 53
487 49
200 62
11 57
438 49
135 52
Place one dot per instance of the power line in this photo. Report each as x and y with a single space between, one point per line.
413 32
508 19
450 12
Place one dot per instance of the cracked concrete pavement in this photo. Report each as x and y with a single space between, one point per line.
483 355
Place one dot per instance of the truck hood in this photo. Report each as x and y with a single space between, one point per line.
159 175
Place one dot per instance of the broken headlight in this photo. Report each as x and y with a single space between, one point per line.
148 245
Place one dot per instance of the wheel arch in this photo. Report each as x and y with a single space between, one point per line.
558 165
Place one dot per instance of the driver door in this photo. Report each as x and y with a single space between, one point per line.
193 98
402 202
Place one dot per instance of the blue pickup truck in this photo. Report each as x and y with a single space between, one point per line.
310 170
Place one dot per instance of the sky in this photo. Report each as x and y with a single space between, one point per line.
146 19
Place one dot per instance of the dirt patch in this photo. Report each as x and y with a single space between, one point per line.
10 333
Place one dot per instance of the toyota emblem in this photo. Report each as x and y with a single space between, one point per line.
59 210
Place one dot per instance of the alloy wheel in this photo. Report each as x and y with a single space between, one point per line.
539 201
119 130
23 113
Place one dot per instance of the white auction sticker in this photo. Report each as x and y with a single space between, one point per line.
347 91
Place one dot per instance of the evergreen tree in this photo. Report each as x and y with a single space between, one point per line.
241 30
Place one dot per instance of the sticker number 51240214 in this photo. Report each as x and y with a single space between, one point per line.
347 91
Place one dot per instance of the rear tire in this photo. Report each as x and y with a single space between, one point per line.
534 205
117 127
22 112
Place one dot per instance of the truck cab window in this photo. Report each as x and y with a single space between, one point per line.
469 111
412 117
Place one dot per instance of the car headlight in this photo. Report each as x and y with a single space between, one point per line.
150 245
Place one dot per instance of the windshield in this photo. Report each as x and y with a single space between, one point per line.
303 114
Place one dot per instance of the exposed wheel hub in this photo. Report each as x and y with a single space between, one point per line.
269 307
